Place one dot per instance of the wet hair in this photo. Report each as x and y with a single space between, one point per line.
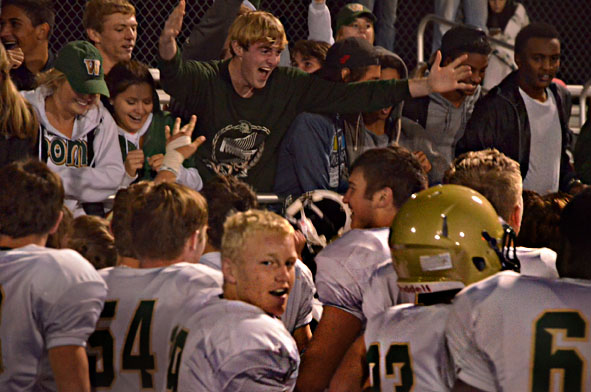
534 30
59 239
121 218
31 199
39 11
96 11
541 218
225 195
391 167
241 226
92 239
257 26
163 219
491 173
310 49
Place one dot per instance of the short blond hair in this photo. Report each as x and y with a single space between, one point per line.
490 172
240 227
257 26
96 11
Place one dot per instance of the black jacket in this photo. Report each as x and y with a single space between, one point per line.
500 120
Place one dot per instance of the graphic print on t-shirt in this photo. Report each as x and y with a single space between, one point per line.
237 148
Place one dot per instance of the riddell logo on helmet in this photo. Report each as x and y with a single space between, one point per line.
93 67
415 289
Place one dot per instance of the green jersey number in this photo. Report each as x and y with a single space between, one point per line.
136 353
398 365
178 337
550 360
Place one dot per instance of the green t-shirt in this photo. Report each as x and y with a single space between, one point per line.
243 134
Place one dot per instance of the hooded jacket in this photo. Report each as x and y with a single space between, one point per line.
155 143
89 163
500 121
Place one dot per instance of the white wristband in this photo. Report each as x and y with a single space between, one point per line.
174 159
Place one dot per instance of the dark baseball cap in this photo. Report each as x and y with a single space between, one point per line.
459 38
352 11
82 64
352 52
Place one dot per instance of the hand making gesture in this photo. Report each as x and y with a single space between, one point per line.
172 28
441 79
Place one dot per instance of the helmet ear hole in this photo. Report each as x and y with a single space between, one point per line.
479 263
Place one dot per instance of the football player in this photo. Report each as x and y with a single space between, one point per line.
50 299
237 342
167 225
516 332
381 180
225 194
442 239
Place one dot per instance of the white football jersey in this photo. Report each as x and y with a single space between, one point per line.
130 347
299 308
232 346
406 349
345 266
513 332
540 262
382 290
48 298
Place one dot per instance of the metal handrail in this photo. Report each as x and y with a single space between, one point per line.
585 93
434 18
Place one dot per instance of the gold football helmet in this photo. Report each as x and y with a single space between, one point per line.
447 237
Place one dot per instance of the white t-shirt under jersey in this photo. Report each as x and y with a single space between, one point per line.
512 332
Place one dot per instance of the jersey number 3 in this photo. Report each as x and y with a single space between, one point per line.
398 367
143 359
559 359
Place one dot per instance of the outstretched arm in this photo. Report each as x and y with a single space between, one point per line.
441 79
167 43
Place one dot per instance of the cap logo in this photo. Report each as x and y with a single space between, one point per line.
356 7
93 67
343 60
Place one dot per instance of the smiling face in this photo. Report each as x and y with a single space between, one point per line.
255 65
362 27
117 38
538 63
362 208
132 106
478 64
306 64
264 275
71 102
18 30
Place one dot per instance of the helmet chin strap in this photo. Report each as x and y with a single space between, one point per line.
507 253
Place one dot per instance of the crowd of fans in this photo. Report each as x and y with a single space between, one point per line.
135 251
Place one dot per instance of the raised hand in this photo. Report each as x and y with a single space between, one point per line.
448 78
172 28
186 131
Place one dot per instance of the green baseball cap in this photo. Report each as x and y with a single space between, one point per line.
352 11
82 64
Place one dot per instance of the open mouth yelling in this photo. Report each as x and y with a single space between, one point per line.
264 72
